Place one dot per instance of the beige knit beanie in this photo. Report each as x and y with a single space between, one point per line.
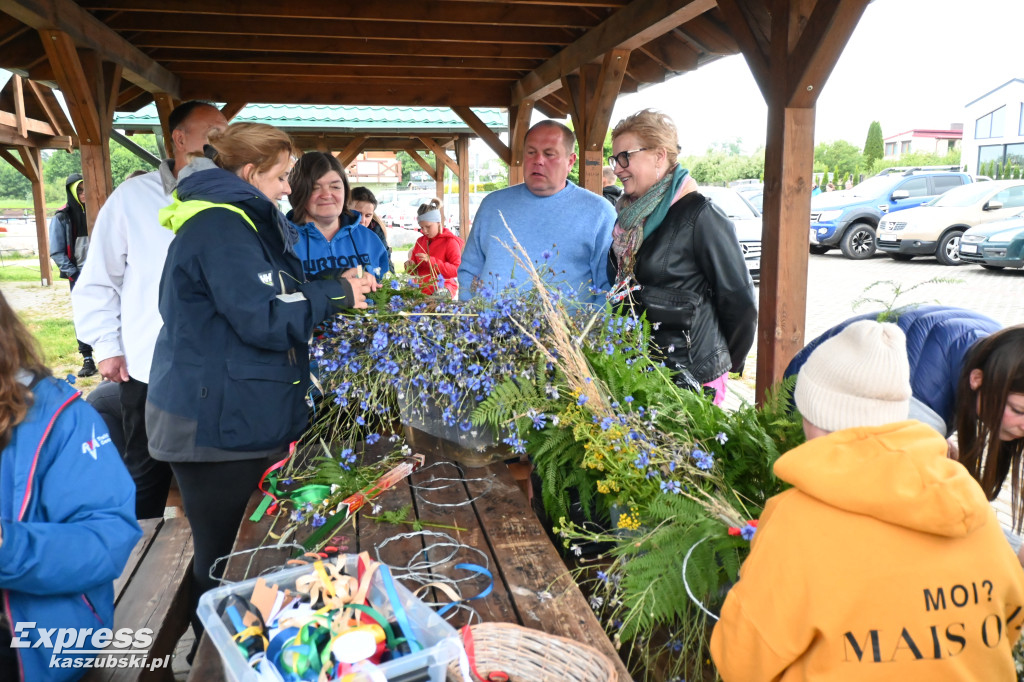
859 377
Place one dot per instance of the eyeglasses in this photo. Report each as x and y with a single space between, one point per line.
622 158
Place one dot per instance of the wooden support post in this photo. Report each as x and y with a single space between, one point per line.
33 170
791 51
462 157
165 104
591 95
439 166
518 123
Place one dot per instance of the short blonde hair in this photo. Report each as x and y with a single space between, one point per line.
244 143
655 130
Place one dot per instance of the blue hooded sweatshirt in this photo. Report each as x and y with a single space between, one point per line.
67 507
352 245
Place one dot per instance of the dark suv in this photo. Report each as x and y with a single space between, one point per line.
848 218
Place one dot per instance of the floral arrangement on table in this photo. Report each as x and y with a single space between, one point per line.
629 462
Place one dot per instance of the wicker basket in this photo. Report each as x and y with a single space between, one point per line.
527 655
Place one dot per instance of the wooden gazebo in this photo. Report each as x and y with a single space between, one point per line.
567 58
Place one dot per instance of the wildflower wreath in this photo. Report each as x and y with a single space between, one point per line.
646 476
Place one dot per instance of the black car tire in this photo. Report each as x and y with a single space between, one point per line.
946 252
820 249
992 267
901 256
859 241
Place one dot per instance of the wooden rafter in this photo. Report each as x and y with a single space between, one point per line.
489 137
15 161
232 109
352 149
414 11
631 27
440 154
87 31
51 108
362 91
19 106
415 155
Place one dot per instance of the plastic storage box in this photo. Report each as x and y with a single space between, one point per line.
477 447
439 639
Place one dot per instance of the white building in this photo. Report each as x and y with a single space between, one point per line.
994 127
927 141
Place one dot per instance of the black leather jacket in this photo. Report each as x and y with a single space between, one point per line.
695 284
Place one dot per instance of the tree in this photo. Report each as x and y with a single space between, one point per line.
839 156
874 146
13 185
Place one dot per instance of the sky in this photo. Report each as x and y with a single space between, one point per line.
909 64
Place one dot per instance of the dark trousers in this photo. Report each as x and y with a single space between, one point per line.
214 495
152 478
83 348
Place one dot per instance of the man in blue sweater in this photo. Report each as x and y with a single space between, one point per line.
559 224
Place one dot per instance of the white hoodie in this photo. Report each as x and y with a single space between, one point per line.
116 298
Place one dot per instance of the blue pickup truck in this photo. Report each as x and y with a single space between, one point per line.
848 218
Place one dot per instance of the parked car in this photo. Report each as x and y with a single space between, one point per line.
747 220
996 244
936 227
848 218
402 211
451 209
754 194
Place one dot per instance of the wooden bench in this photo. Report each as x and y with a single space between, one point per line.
153 592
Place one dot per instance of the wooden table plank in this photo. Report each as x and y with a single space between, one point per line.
541 587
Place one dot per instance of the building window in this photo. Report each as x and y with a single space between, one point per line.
993 152
1015 155
905 147
890 148
990 125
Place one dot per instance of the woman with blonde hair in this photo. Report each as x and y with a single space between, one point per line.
67 510
227 391
678 258
435 258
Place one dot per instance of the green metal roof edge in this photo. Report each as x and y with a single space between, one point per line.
341 117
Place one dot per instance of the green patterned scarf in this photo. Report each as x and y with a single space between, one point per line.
639 218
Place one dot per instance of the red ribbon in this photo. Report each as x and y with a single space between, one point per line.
494 675
274 467
739 531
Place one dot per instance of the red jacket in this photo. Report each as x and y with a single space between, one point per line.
443 256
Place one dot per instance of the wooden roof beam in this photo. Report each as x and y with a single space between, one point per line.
414 11
15 161
415 154
489 137
631 27
9 136
87 31
359 91
19 105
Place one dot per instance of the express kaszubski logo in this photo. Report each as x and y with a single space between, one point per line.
89 647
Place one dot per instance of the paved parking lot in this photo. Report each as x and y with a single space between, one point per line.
835 282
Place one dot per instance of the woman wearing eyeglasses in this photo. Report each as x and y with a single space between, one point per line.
675 256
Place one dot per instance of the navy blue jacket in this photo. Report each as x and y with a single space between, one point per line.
231 364
938 338
67 507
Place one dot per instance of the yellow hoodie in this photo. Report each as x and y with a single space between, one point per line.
884 562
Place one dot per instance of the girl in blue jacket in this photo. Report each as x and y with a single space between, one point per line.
67 513
331 235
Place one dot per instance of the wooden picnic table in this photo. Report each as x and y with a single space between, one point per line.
532 586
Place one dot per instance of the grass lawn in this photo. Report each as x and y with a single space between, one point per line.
21 270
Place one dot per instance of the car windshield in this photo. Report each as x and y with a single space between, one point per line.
731 203
965 195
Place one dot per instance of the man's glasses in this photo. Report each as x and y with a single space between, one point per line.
621 160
